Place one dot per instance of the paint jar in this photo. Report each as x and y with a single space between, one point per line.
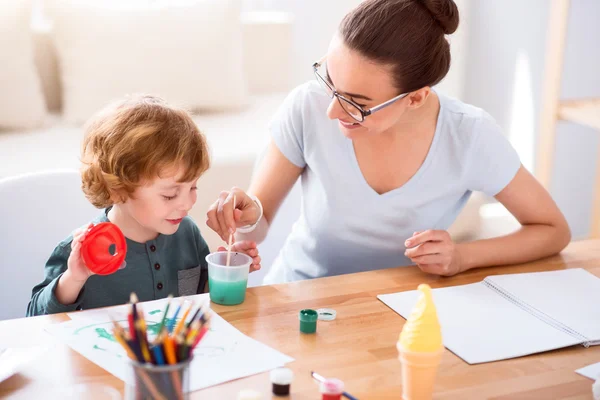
308 320
331 389
281 379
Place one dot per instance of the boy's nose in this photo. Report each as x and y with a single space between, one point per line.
187 204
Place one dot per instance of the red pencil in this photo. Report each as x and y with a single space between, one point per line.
200 335
131 326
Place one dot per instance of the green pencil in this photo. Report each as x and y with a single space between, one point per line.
164 318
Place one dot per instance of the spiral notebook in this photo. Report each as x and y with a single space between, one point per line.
508 316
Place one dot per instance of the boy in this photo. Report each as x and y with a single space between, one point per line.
141 161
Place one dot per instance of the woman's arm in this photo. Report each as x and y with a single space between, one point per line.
273 180
544 232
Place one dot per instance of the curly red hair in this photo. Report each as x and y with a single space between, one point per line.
133 141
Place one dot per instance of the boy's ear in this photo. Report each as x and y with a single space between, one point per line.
118 196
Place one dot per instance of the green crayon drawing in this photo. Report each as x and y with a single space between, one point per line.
209 351
103 331
96 347
103 334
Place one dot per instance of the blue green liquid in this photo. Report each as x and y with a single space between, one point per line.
226 292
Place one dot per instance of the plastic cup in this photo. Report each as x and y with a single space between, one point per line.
227 284
159 382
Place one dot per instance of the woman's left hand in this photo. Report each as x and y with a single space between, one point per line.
434 252
247 247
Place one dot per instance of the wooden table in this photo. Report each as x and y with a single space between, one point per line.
358 347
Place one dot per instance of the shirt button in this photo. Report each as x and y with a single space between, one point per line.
159 286
153 248
157 266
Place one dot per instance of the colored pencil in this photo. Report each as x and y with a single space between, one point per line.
172 321
181 323
173 344
164 318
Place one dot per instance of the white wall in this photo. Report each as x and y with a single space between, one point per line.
315 22
454 83
506 55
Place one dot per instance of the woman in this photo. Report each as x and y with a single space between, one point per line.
387 163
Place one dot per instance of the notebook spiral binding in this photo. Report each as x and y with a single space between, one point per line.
537 313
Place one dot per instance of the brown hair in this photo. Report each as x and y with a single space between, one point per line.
407 35
134 140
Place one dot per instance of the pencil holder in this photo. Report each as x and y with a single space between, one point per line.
159 382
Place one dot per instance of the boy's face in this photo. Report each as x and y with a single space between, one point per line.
160 205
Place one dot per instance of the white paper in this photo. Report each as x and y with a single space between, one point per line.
12 360
570 296
591 371
479 325
150 308
224 354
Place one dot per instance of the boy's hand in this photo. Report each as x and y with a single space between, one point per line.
75 265
247 247
70 283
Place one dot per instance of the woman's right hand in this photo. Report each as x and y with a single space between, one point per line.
75 265
224 217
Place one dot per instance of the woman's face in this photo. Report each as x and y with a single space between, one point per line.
366 83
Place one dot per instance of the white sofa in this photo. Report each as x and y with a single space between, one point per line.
235 138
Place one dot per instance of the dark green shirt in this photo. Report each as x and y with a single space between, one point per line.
170 264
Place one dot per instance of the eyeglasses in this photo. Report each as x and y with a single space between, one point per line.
352 109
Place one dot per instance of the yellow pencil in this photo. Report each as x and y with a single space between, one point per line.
194 329
118 334
182 320
143 341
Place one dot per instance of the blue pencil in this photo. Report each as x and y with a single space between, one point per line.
158 355
172 321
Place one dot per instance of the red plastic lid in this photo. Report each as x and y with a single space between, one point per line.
104 248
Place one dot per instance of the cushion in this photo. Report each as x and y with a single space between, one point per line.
22 103
111 48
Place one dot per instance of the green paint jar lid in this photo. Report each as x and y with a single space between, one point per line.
308 320
326 314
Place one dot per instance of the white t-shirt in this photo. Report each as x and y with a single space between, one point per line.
344 225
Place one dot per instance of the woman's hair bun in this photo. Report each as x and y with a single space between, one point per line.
444 12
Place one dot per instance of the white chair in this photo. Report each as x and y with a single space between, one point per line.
37 211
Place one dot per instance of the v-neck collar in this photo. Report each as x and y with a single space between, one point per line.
413 179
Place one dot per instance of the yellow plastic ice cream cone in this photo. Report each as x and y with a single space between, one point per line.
420 347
